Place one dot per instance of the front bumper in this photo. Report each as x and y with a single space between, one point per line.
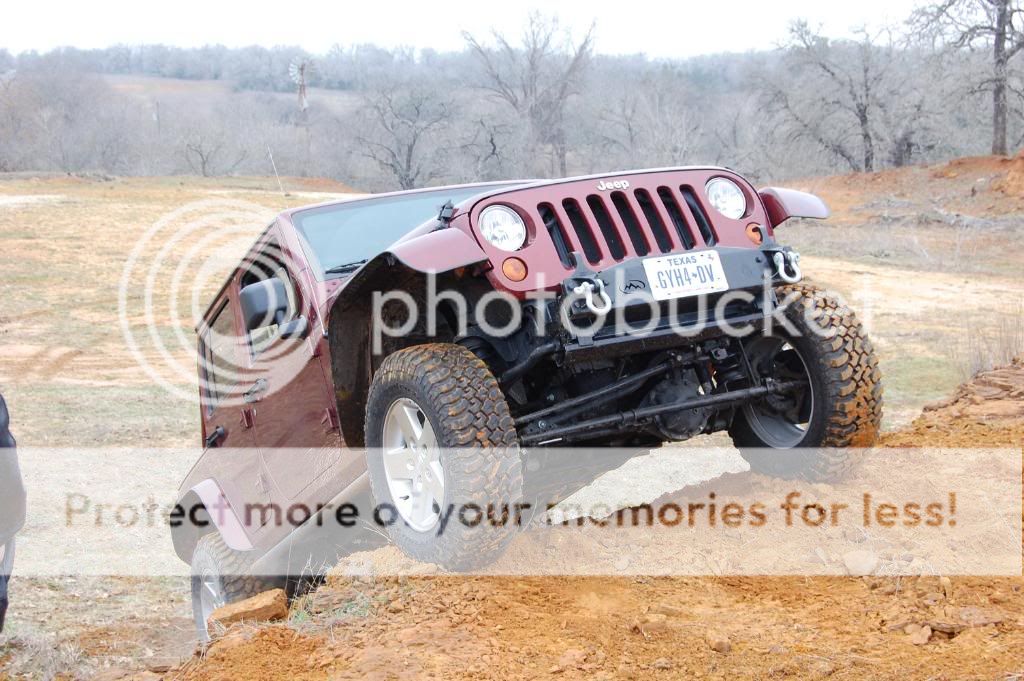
636 322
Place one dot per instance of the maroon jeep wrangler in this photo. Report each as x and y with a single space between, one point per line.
423 342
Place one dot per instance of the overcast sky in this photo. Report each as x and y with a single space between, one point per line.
660 29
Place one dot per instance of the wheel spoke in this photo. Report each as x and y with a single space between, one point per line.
409 424
427 437
433 481
400 463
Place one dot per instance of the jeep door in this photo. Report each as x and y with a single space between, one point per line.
295 419
230 457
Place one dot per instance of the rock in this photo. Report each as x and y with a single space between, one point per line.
718 642
945 627
654 622
265 607
667 610
662 663
946 586
973 616
860 562
921 636
573 657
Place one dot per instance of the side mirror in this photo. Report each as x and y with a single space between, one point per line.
263 303
296 328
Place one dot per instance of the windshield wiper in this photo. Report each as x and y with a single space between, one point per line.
347 267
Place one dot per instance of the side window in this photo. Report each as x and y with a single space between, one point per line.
270 263
218 342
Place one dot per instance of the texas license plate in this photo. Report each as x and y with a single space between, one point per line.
685 274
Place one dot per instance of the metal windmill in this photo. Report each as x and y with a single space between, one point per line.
300 69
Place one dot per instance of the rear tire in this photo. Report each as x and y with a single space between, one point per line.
472 460
846 393
220 575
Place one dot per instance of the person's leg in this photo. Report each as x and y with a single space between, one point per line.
12 504
12 495
3 599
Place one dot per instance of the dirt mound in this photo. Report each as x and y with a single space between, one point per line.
987 411
1014 182
1008 172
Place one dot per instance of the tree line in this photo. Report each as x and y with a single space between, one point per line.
541 103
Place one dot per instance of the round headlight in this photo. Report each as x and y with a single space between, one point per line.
726 197
503 228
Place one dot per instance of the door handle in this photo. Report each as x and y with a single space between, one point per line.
214 438
253 393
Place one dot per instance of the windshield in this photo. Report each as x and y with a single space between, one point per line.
355 232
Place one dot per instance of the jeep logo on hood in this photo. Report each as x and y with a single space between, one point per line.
604 185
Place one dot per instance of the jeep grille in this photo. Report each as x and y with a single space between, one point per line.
627 223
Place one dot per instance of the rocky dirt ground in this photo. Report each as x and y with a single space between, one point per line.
916 627
938 250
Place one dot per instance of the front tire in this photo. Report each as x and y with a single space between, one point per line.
842 406
442 452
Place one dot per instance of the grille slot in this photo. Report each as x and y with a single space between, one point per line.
582 229
676 215
703 223
557 232
604 222
629 221
654 220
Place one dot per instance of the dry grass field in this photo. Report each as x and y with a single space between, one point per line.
931 258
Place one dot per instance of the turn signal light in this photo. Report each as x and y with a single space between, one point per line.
514 269
755 233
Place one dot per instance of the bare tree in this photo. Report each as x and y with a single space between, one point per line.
652 123
209 154
836 92
997 25
536 79
399 138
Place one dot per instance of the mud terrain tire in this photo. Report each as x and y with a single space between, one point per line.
212 559
479 452
847 411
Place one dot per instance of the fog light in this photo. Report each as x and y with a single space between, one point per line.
514 269
755 233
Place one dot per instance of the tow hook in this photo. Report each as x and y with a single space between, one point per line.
587 289
785 262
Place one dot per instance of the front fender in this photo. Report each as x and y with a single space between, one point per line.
405 266
783 204
439 251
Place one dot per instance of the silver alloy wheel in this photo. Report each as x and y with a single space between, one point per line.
211 595
412 465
